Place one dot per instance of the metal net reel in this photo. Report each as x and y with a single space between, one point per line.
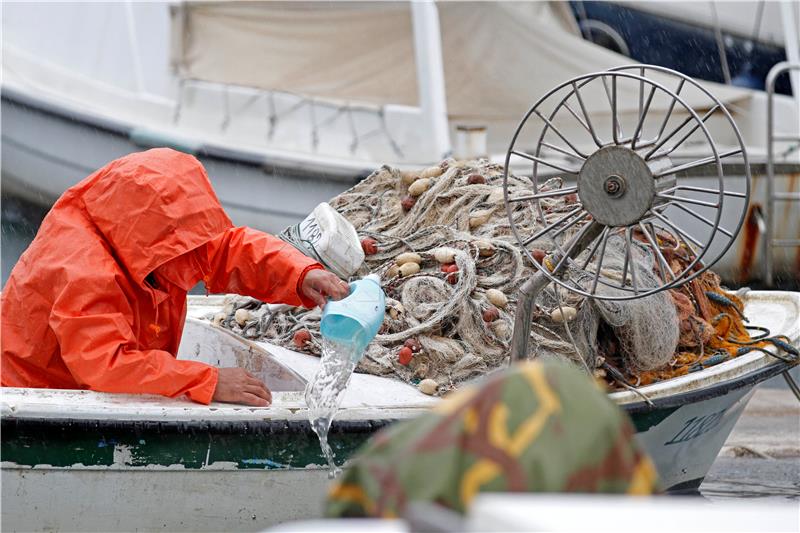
640 150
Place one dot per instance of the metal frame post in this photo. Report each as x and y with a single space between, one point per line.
790 19
133 41
430 74
769 241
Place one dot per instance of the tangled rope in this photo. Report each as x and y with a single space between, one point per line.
450 267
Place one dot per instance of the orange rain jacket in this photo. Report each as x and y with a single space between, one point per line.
81 309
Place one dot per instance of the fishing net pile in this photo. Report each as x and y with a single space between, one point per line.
450 266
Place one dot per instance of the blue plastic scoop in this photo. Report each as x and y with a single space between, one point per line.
356 319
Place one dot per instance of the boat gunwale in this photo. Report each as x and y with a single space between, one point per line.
708 392
731 370
274 425
757 367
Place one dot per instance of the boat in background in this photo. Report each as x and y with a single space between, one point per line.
735 43
229 467
293 122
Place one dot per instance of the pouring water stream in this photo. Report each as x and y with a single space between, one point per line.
347 327
325 392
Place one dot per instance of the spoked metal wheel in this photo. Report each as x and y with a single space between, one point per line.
629 143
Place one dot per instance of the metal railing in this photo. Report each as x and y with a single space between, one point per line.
273 116
770 241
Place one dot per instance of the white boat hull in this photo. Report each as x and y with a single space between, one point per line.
685 444
222 497
221 467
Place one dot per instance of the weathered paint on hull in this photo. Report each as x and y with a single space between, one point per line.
267 445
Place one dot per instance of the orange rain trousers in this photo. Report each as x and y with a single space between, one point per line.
98 300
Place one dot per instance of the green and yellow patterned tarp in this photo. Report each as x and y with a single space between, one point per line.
538 427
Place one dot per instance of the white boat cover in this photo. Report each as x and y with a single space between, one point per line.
342 50
499 57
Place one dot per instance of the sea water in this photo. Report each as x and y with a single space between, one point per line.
324 393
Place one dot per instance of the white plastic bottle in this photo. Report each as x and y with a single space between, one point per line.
329 238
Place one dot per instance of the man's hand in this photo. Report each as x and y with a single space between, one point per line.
237 385
318 285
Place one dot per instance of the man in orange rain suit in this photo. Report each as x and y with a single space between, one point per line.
98 300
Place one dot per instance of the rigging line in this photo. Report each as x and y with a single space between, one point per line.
792 384
757 25
723 56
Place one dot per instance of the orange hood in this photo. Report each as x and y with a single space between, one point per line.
169 208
